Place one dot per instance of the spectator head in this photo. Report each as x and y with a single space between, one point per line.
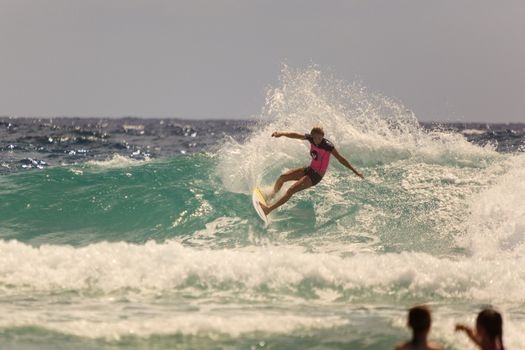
489 324
419 319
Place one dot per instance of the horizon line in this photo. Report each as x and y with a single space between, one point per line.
254 118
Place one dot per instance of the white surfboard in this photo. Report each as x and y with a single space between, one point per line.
257 198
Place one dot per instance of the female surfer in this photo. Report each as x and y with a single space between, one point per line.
320 150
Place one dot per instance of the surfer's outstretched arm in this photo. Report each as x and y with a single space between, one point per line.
291 135
346 163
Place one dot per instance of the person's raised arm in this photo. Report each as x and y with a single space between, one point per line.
470 332
346 163
291 135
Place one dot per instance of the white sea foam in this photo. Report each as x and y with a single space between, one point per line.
115 289
152 268
117 161
473 132
496 225
109 323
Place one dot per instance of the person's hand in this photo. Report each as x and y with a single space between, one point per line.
276 134
460 327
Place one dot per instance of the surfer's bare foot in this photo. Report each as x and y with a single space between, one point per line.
265 209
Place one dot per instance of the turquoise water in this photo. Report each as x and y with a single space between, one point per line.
168 253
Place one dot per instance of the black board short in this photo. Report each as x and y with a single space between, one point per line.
313 175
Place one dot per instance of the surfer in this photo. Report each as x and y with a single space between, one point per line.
320 150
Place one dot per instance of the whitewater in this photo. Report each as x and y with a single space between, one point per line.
114 235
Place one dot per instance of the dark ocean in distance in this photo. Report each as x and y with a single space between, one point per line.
27 143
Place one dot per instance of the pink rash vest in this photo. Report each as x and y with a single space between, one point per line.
320 154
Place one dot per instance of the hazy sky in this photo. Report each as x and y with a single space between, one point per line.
446 60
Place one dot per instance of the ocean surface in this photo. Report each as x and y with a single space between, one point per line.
140 233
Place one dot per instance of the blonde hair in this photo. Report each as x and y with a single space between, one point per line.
317 129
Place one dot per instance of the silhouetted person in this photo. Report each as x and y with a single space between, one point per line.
419 321
489 330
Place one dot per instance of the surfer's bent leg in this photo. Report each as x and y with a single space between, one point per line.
300 185
292 175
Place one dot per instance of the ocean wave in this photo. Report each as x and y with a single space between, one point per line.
497 220
279 270
94 324
117 161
